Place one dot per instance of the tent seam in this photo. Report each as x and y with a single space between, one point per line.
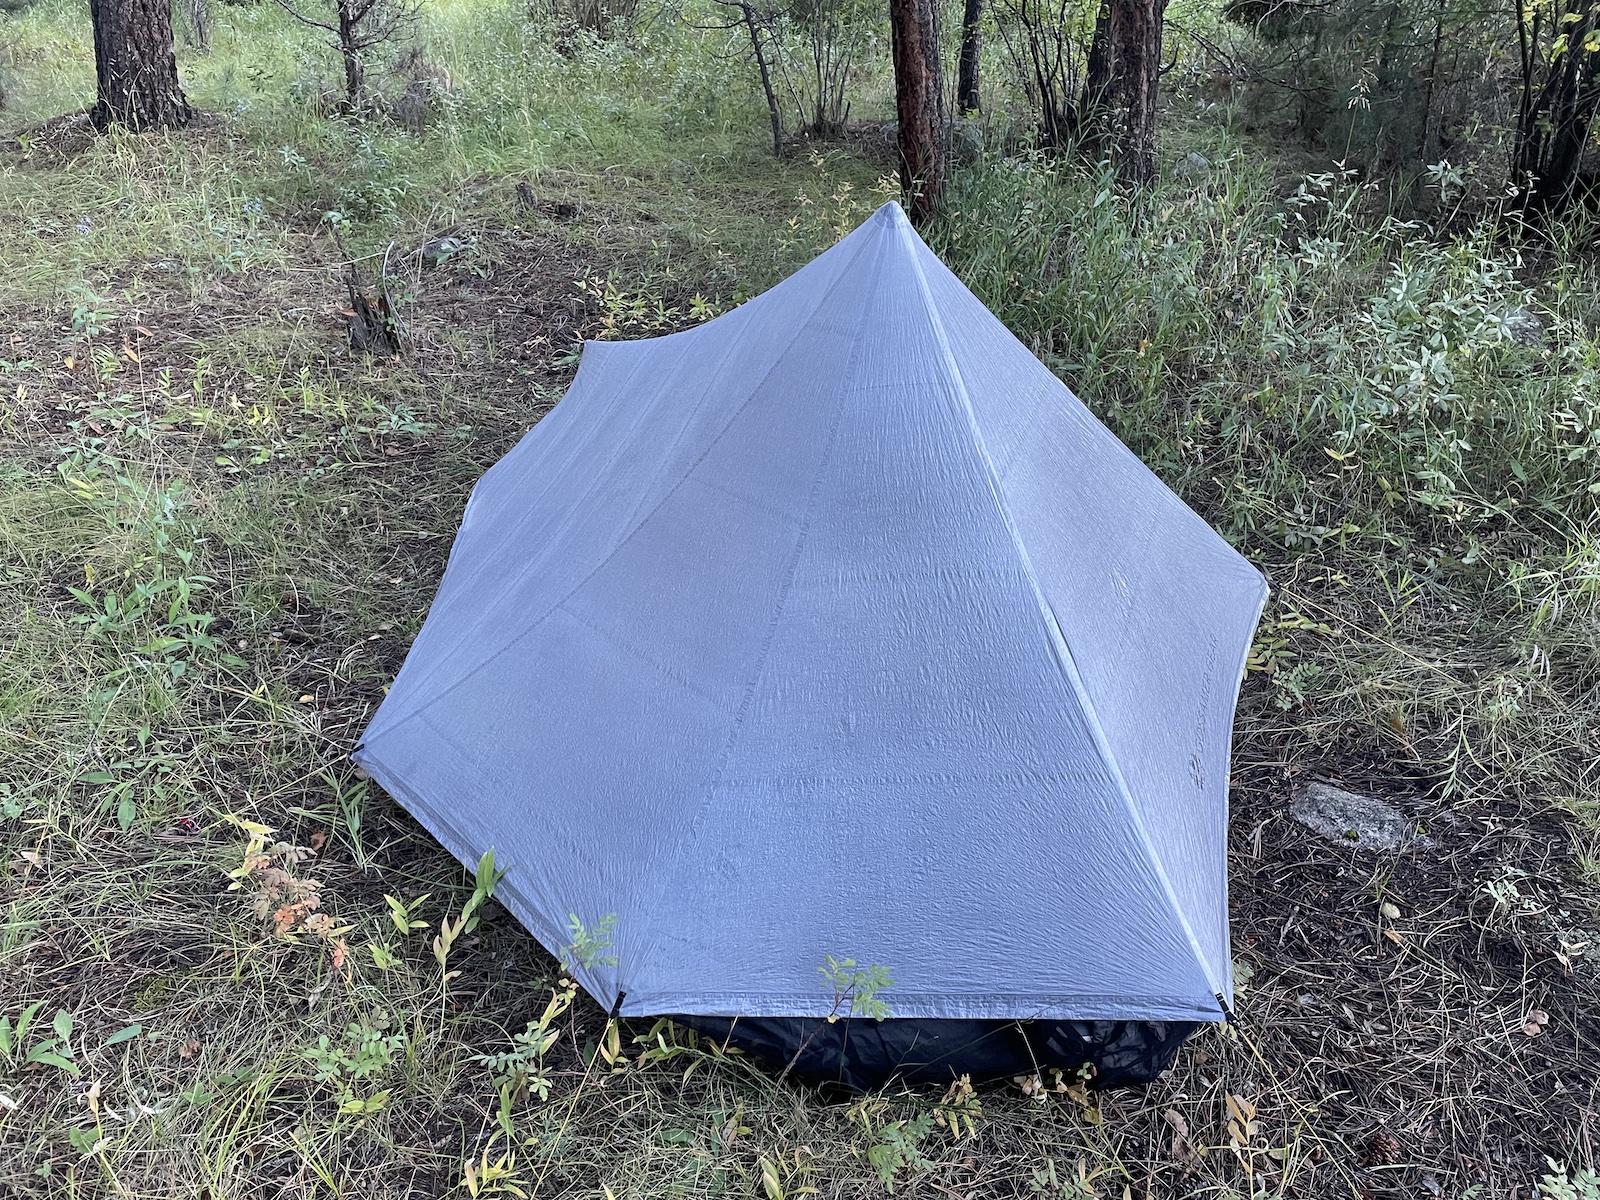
1053 630
622 542
692 834
462 586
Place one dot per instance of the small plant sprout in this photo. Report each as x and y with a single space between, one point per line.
959 1108
366 1052
855 994
855 989
403 913
1582 1184
896 1145
24 1044
451 931
520 1069
588 947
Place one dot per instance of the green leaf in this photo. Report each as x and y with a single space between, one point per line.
26 1019
123 1035
97 777
86 1139
51 1059
127 810
62 1024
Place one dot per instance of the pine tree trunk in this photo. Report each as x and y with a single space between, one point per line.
136 73
967 99
918 86
1123 84
1136 42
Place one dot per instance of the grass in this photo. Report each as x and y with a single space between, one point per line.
219 530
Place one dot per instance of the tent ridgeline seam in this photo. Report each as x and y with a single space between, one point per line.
1053 630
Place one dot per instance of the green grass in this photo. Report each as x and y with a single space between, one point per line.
219 530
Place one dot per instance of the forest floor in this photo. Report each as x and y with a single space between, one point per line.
219 530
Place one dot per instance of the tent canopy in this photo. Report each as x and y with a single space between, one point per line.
839 626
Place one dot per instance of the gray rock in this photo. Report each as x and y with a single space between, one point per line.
965 138
1524 328
1353 820
441 250
1191 164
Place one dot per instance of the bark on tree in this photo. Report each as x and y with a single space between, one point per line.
919 100
1123 83
355 74
1559 102
135 71
752 26
967 98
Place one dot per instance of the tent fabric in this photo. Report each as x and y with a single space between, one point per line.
838 626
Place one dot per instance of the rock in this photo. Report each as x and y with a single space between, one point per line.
1192 164
441 250
1524 328
1361 822
964 137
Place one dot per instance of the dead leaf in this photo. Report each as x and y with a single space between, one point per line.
317 840
1242 1125
189 1050
1537 1020
1181 1149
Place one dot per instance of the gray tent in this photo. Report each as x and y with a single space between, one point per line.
839 626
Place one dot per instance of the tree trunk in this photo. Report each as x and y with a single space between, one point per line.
197 24
355 75
135 71
1560 103
1097 110
918 87
774 113
967 100
1123 82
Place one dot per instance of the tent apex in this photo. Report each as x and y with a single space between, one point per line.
890 210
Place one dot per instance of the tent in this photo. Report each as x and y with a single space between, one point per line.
838 626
